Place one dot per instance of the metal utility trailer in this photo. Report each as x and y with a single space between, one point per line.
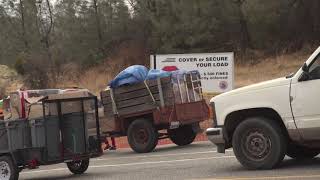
59 136
170 107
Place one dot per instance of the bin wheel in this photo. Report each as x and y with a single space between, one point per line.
8 170
142 136
182 136
78 167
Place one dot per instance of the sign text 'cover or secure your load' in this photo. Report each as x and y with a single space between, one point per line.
216 69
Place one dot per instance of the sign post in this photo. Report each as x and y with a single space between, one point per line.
216 69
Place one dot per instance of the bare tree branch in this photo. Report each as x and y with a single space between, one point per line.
24 38
98 25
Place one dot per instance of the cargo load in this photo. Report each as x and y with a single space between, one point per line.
171 101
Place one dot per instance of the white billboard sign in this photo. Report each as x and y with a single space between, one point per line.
216 69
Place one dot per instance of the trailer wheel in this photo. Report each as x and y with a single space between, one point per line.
8 170
78 167
142 136
300 152
182 136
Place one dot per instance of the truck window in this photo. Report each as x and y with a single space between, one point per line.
315 69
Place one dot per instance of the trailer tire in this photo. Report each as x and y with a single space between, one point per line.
182 136
300 152
142 136
8 170
78 167
259 143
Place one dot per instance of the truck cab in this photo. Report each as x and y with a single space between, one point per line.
266 121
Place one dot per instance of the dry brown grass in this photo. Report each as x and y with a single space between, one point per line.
96 79
270 68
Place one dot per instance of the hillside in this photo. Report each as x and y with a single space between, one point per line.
97 78
270 68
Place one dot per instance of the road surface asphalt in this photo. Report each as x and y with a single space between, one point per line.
196 161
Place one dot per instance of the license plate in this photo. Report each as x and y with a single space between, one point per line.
174 125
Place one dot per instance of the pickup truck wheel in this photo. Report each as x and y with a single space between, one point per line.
300 152
258 143
182 136
142 136
8 170
78 167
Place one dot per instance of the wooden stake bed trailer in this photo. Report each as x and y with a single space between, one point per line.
142 110
61 135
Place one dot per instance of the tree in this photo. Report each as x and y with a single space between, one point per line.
98 26
244 32
21 8
37 35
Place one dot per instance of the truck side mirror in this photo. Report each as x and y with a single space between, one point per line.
305 67
305 74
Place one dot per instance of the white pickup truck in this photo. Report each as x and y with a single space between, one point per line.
266 121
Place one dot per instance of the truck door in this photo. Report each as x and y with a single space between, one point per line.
305 101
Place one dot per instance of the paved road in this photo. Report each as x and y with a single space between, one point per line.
197 161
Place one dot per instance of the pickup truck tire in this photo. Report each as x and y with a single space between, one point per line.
300 152
78 167
142 136
259 143
8 170
182 136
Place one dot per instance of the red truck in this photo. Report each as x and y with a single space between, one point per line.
170 107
